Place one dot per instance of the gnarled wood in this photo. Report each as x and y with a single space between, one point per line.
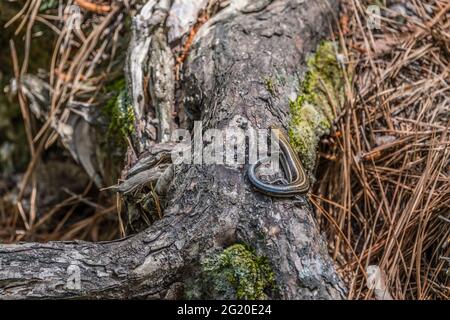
208 207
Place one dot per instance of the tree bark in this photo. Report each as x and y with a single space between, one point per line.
208 207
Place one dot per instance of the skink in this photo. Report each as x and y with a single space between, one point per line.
297 181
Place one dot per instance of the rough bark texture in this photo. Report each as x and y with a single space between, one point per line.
209 207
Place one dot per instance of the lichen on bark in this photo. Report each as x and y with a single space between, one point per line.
116 125
321 93
119 112
238 268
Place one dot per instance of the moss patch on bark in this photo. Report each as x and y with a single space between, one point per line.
119 113
320 96
239 268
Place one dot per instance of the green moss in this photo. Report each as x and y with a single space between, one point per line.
119 112
116 125
312 111
270 86
48 4
239 267
116 86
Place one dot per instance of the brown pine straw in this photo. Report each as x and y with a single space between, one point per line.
94 7
74 68
383 191
382 195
